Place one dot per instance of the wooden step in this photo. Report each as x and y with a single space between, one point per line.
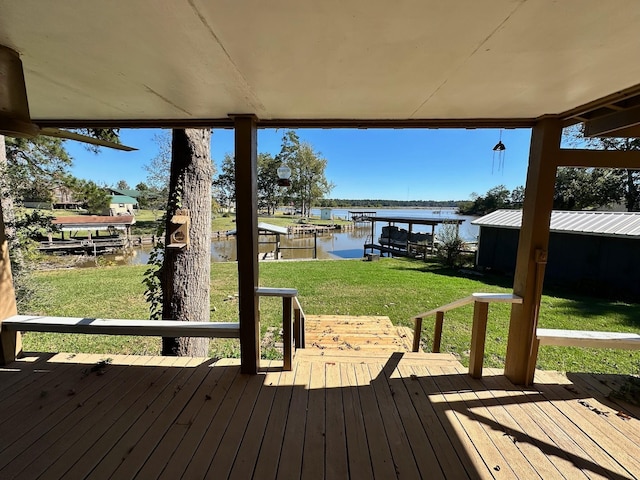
356 333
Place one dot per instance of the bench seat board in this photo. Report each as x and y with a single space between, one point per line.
583 338
161 328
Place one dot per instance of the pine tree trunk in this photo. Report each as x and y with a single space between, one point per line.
186 271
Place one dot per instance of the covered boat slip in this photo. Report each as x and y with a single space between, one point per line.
405 241
339 415
116 233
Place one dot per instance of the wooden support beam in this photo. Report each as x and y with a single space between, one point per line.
417 330
246 140
437 332
10 342
478 336
598 158
287 333
534 238
614 124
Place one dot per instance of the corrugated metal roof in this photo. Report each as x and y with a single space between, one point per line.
123 199
265 227
272 228
612 224
92 221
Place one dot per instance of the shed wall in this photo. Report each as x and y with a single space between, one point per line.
609 264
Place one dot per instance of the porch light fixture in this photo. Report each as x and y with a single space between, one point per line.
284 174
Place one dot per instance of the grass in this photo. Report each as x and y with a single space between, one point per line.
397 288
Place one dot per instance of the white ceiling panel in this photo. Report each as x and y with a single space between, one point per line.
429 59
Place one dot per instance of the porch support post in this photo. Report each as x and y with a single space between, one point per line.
247 240
10 342
532 246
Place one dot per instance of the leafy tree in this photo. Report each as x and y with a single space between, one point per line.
610 185
496 198
586 188
308 181
34 166
95 199
122 185
517 197
269 193
224 186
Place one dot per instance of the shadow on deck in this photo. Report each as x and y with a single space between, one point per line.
338 415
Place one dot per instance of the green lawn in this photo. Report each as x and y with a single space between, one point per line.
398 288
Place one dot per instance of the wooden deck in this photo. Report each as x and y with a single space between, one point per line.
356 333
338 414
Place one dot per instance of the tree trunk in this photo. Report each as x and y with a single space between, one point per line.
186 271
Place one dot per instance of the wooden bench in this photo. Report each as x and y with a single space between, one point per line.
98 326
583 338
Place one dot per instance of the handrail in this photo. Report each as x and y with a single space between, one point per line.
474 297
481 303
292 332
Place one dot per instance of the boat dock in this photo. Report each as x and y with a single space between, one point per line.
405 242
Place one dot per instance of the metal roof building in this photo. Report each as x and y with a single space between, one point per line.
595 251
608 224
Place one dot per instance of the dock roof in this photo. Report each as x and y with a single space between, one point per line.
265 227
94 222
417 220
609 224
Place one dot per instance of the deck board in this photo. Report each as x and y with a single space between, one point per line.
195 427
271 447
290 465
68 442
356 434
315 429
341 414
355 333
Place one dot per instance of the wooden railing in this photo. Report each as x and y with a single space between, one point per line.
481 303
292 332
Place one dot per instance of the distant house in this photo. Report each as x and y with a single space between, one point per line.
121 205
588 249
135 194
63 198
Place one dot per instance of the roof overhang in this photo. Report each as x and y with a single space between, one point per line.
462 63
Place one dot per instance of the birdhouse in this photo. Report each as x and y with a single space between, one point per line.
179 230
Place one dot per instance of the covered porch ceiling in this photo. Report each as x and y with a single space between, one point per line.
330 63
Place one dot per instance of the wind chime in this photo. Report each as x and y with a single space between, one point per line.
498 152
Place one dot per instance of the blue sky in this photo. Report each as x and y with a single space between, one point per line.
411 164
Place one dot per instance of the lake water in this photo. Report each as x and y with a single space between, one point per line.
335 245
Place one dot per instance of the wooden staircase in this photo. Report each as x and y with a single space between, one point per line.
366 334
